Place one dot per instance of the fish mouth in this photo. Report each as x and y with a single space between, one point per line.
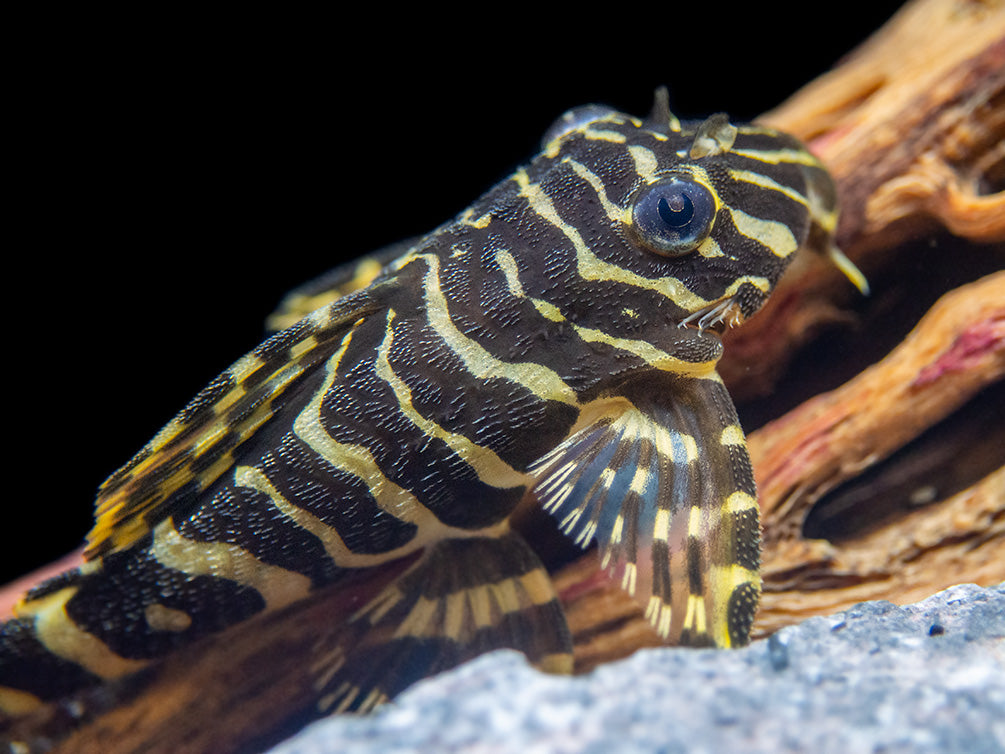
717 317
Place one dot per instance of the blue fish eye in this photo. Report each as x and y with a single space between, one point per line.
674 215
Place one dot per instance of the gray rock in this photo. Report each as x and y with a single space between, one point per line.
928 677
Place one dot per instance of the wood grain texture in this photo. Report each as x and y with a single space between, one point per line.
912 127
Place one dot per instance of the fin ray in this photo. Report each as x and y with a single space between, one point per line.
197 446
336 283
666 490
464 597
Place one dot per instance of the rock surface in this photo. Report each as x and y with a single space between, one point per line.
928 677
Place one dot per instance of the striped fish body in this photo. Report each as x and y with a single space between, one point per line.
555 345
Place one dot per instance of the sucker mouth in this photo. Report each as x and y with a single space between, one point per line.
717 316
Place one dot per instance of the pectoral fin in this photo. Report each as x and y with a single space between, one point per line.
666 490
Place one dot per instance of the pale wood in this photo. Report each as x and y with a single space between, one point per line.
961 539
912 127
956 350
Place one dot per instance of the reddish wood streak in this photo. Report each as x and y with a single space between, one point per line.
969 347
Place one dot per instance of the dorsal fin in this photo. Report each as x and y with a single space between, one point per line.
660 113
666 491
197 447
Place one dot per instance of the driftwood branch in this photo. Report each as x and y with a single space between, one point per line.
912 126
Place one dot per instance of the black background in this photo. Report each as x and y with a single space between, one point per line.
173 177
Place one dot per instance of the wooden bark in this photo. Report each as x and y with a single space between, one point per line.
912 127
880 459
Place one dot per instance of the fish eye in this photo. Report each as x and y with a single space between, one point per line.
674 215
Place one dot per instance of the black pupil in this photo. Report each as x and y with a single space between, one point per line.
676 210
